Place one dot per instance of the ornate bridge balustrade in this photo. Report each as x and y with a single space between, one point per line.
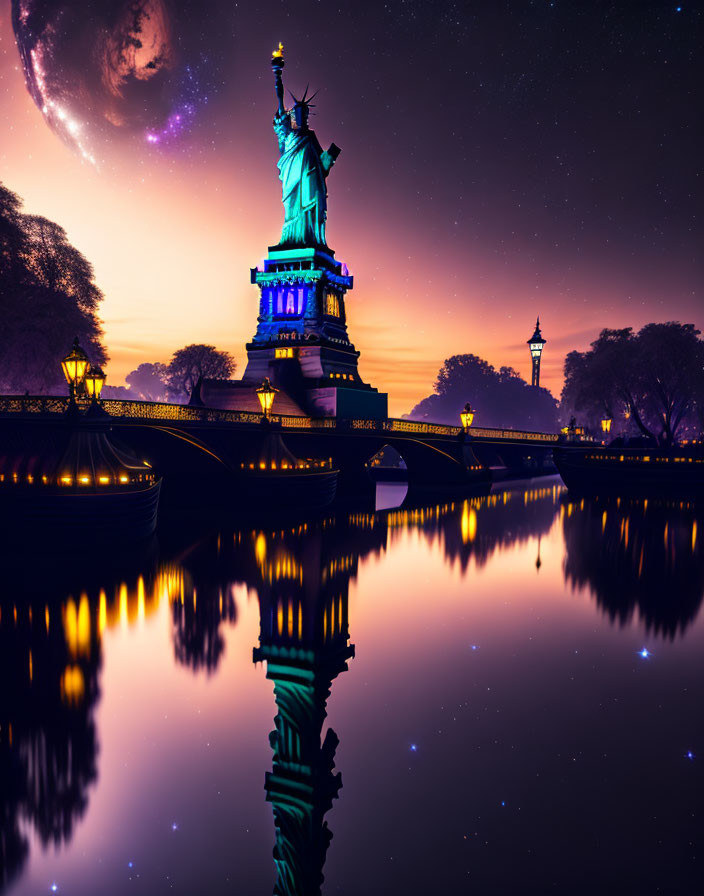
155 411
180 439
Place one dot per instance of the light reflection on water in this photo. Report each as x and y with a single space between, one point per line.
499 705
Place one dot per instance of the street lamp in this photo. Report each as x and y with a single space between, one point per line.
536 343
94 381
266 393
74 367
466 416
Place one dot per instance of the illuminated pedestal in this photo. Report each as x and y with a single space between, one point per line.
301 342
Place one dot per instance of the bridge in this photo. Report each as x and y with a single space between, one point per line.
193 444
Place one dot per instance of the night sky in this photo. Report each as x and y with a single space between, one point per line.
499 160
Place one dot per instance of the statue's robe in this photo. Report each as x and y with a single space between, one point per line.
303 167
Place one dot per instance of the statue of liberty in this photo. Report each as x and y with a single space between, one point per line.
303 168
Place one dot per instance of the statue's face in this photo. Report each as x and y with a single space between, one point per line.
301 114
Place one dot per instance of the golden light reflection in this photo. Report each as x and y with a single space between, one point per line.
122 601
72 685
102 612
84 626
468 523
260 548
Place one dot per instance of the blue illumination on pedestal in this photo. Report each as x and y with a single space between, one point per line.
302 297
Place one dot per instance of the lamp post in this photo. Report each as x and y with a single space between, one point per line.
466 416
266 394
606 425
94 381
536 343
74 367
627 418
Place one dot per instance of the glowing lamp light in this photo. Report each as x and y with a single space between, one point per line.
94 381
536 349
266 394
467 416
74 366
606 424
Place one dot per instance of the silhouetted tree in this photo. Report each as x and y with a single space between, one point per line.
654 377
48 296
191 363
148 382
117 392
502 398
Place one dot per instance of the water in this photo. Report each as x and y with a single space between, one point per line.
522 713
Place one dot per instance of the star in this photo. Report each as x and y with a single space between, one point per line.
174 826
689 755
414 748
644 653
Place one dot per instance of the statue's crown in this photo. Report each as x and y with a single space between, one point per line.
305 100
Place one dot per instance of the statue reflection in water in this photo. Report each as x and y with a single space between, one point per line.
637 555
302 578
303 640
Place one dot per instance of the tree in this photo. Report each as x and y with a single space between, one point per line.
191 363
671 375
148 382
654 378
48 296
501 398
121 392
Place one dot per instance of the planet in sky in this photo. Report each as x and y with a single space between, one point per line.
114 70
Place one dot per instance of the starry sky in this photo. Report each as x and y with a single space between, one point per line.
499 160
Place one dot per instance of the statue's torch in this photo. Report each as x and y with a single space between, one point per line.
277 65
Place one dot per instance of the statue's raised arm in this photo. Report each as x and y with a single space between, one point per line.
303 167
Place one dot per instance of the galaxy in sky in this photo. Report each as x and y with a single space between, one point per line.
114 70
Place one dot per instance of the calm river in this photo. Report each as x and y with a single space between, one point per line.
497 696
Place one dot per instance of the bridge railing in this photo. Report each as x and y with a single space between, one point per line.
441 429
123 408
158 411
32 404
